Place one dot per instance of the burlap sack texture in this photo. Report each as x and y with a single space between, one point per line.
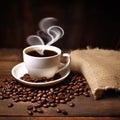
100 67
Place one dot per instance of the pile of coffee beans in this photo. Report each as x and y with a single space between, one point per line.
74 85
28 78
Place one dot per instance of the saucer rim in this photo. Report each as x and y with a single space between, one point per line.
50 83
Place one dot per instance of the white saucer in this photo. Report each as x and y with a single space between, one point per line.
19 70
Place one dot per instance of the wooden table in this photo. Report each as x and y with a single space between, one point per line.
85 108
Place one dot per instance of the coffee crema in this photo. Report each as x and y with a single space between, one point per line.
46 53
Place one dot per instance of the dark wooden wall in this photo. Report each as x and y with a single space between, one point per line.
85 22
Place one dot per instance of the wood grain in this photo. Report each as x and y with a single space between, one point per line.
59 118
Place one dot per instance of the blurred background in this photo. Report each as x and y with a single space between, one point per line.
85 22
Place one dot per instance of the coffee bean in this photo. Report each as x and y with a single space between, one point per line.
5 96
34 109
30 107
58 110
57 97
67 99
45 106
57 101
16 99
71 104
76 94
72 97
39 94
86 94
33 100
81 89
10 105
52 105
44 95
30 112
39 110
62 101
38 104
50 100
29 98
64 111
1 97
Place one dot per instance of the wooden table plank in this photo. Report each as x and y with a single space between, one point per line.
10 55
85 107
59 118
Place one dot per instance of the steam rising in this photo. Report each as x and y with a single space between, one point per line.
47 26
35 40
45 23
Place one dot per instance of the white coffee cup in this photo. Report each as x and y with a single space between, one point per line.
44 66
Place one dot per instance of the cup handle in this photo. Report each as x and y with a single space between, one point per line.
67 64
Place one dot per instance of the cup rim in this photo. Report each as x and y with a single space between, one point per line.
45 46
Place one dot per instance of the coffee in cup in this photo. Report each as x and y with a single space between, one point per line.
43 60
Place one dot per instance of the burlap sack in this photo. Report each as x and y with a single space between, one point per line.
100 67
